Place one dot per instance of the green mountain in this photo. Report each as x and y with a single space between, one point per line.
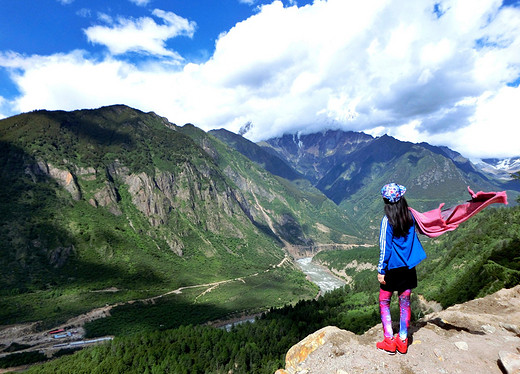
300 213
295 212
481 257
121 200
490 262
113 204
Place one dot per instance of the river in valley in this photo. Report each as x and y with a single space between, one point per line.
319 275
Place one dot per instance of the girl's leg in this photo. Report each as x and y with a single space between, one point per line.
384 307
405 313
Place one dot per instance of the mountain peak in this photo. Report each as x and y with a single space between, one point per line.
314 154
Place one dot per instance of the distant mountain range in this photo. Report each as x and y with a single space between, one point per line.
350 168
500 168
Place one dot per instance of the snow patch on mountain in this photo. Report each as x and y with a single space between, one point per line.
499 167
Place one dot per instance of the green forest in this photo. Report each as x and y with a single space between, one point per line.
479 258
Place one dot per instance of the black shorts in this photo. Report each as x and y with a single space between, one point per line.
400 279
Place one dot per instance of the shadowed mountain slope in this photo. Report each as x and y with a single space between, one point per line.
297 213
270 162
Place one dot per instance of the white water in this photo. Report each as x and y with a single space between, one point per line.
319 275
229 326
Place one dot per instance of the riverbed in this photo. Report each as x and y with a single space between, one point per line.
319 275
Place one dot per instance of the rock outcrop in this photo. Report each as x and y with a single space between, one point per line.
63 177
479 336
192 195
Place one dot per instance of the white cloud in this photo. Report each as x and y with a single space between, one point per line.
105 18
142 35
140 2
3 105
385 66
51 82
65 2
494 129
84 12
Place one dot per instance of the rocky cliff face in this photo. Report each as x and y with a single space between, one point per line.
153 181
193 193
479 336
63 177
314 154
296 214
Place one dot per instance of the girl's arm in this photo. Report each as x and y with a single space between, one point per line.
385 245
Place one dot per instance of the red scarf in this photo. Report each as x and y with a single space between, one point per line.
436 222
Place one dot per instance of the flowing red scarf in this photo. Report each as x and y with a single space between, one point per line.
438 221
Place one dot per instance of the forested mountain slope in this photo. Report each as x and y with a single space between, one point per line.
268 160
118 199
300 213
479 258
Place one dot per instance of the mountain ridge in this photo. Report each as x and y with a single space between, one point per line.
431 174
310 154
267 160
118 198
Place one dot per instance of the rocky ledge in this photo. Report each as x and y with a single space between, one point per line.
479 336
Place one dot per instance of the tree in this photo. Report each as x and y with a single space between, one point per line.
517 177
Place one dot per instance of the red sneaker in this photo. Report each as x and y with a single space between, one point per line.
401 345
387 345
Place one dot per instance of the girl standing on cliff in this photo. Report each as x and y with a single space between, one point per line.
400 252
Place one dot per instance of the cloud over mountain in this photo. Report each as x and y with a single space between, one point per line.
444 72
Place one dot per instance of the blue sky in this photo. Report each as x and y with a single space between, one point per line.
443 71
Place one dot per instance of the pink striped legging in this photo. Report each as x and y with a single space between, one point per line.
405 312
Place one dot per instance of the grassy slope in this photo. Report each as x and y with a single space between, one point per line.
479 258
